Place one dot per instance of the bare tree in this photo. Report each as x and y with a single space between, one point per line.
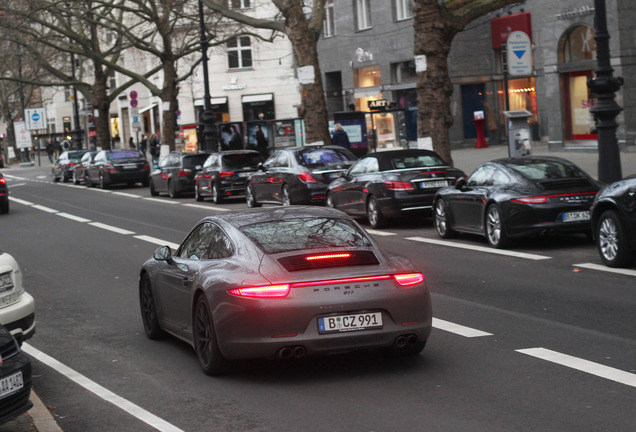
302 25
435 25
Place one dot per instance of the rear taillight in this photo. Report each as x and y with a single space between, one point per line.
223 174
328 256
184 172
399 186
269 291
530 200
306 177
146 165
409 279
110 168
71 164
3 181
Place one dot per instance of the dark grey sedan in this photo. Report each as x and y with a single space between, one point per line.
175 173
282 283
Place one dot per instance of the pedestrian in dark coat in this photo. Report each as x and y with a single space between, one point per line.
340 137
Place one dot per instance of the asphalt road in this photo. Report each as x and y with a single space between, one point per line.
531 340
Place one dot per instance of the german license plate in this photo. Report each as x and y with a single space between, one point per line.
6 282
129 166
433 184
576 216
353 322
11 384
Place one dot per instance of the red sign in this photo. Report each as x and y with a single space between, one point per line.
501 27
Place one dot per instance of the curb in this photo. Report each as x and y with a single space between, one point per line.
43 420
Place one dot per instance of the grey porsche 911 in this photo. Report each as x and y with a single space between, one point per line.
282 283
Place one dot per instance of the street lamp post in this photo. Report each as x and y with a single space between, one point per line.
605 86
207 131
77 131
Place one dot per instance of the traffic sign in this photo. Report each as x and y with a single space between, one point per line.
519 54
134 103
133 94
35 118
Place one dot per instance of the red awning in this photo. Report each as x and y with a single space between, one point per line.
501 27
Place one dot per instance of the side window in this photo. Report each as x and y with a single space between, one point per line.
372 166
283 160
165 162
360 167
220 245
481 177
198 242
500 178
271 161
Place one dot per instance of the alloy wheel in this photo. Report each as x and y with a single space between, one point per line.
494 227
210 358
608 239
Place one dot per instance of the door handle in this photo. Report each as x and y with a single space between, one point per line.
186 281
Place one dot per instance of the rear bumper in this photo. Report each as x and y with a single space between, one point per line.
19 318
394 207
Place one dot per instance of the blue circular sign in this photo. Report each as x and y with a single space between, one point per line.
35 117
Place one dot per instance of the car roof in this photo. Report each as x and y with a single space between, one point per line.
226 152
242 218
386 154
530 160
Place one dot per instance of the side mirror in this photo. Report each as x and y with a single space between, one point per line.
460 183
163 254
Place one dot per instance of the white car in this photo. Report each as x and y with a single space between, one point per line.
17 307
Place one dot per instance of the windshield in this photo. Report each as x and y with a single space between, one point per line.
123 155
191 162
307 233
321 156
548 170
241 160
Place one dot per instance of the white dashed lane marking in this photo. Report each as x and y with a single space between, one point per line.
480 248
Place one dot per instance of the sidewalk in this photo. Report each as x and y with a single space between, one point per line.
37 419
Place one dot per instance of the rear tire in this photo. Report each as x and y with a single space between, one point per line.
172 190
611 241
197 193
102 182
206 344
250 197
285 198
495 229
4 207
329 201
153 192
217 195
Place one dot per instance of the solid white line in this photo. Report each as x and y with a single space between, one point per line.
129 195
73 217
111 228
162 200
14 177
20 201
102 392
46 209
480 248
582 365
101 190
207 207
458 329
380 233
591 266
17 184
157 241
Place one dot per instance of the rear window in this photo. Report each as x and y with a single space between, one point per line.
191 162
242 160
548 170
127 154
76 155
322 156
418 161
305 233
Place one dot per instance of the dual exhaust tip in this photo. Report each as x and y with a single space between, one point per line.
405 341
298 351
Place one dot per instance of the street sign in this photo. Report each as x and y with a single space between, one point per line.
134 103
35 118
133 94
22 135
519 54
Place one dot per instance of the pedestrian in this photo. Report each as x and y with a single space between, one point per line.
49 151
236 142
261 142
340 137
142 145
57 147
154 149
131 143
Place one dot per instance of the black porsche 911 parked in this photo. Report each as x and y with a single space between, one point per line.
614 222
283 282
391 184
508 198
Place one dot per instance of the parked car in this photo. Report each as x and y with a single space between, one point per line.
225 174
175 173
79 170
509 198
391 184
117 166
15 378
322 286
4 195
614 222
297 175
62 168
17 307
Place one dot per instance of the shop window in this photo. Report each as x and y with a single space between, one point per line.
239 53
329 26
578 45
362 15
239 4
403 72
403 9
367 77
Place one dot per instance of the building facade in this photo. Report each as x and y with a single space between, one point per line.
366 54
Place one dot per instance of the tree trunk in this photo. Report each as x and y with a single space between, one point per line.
313 105
434 33
169 94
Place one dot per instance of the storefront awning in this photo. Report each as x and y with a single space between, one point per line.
366 92
257 98
148 108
